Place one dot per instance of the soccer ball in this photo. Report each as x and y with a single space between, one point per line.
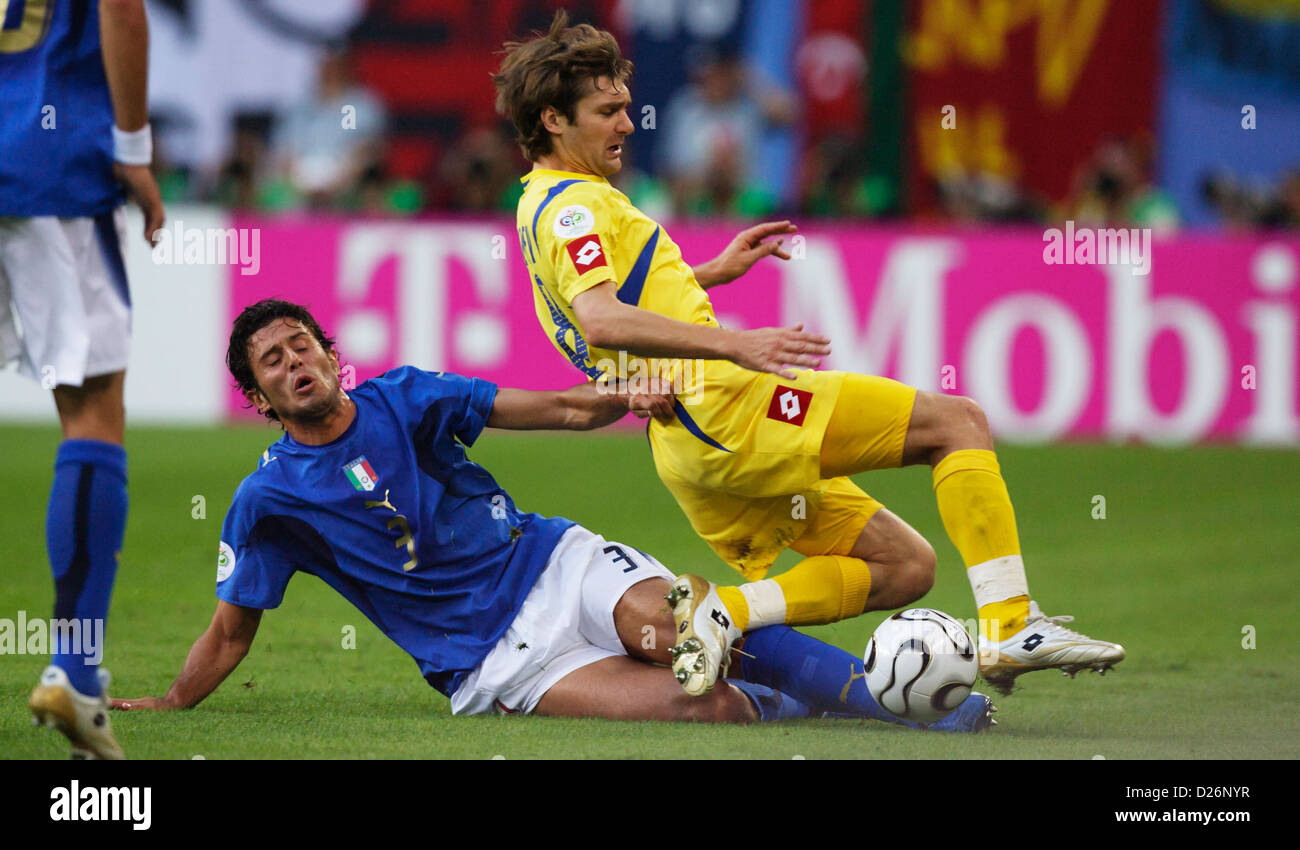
920 665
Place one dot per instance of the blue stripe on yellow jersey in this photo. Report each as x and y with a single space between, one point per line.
577 231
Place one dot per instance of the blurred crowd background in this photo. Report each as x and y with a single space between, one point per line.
1152 113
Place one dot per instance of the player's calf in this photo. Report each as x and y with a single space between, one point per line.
901 581
621 688
722 705
902 562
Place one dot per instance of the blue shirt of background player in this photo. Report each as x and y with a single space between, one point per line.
477 556
56 115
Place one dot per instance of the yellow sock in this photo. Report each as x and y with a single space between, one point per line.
821 589
735 602
977 514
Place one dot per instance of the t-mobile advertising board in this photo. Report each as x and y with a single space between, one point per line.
1173 340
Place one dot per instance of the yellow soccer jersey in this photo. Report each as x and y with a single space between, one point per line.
577 231
742 443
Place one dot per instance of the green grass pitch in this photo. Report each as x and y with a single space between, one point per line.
1196 546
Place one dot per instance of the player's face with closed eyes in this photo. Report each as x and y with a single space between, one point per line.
297 378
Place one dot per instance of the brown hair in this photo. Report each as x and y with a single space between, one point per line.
553 69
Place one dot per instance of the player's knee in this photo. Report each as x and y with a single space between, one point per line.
968 417
95 410
644 622
924 564
918 571
656 638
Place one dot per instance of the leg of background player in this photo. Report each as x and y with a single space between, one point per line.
87 514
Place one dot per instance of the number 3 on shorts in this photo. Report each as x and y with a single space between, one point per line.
621 556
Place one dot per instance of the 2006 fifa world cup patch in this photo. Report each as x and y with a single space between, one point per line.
225 561
587 253
789 405
573 221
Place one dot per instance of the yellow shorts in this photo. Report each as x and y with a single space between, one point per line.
757 487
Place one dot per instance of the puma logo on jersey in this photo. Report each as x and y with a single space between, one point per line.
381 504
720 619
587 253
789 405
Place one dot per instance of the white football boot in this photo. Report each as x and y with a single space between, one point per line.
82 719
1044 643
705 634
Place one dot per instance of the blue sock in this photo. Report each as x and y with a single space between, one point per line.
771 705
83 533
825 677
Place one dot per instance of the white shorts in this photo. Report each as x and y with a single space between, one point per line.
65 309
566 622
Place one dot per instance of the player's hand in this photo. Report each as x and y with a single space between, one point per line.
142 189
748 248
656 402
779 350
141 704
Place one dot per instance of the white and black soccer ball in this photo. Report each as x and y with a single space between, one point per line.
920 665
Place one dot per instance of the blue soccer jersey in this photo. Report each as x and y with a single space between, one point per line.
395 517
56 116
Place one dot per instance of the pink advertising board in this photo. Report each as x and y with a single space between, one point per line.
1194 338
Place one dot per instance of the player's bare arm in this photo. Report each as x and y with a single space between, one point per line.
579 408
215 654
741 253
609 323
124 40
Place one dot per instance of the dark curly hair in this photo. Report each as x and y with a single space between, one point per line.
553 69
255 317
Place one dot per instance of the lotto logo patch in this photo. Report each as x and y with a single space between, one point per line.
587 253
789 405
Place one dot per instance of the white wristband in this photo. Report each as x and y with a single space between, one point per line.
135 148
